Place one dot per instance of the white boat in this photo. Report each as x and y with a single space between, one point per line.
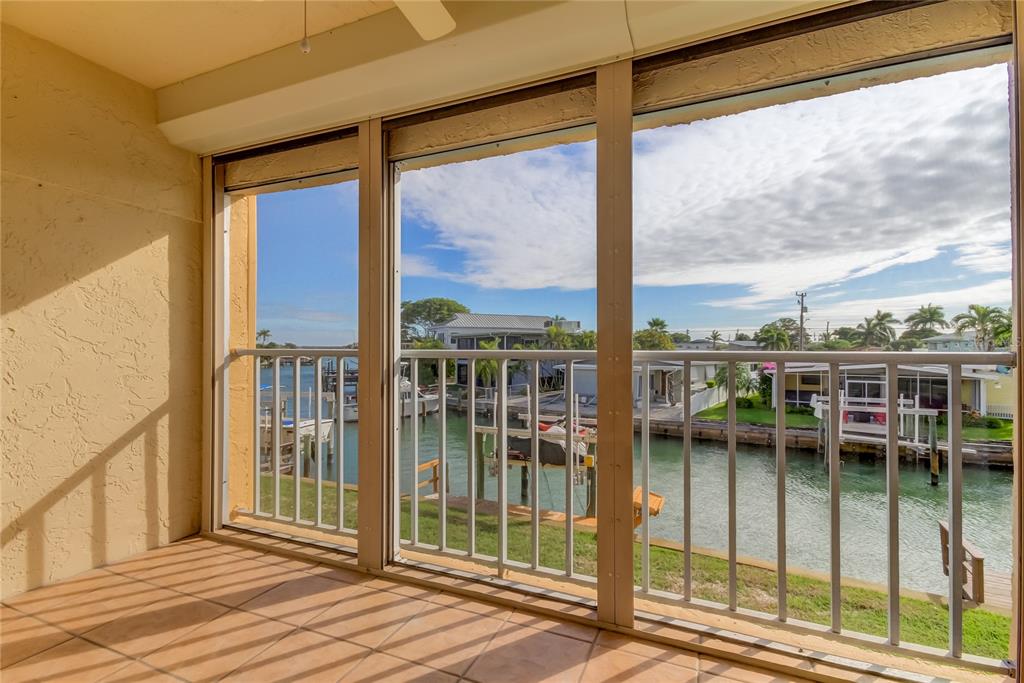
427 403
307 429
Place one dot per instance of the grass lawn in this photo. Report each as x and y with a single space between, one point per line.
758 415
985 633
763 415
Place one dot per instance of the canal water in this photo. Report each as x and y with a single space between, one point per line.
986 500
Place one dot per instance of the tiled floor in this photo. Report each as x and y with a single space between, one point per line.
199 610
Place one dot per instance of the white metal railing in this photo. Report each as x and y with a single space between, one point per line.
888 363
312 438
578 458
505 400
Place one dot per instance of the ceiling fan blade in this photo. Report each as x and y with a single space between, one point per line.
429 17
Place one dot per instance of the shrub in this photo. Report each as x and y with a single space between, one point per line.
711 384
744 402
799 410
993 422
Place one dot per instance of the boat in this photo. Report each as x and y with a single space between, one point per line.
427 403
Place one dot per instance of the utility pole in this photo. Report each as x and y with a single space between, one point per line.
800 298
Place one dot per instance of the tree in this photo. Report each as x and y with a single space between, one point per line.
987 322
742 336
652 340
679 337
557 338
419 316
744 380
487 369
848 334
658 324
262 336
877 330
585 340
928 318
773 337
428 373
715 337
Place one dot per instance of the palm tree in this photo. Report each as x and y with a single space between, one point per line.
715 337
585 340
877 330
557 338
987 322
773 337
930 317
658 324
744 380
262 336
487 370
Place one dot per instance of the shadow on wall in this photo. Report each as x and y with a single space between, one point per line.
102 313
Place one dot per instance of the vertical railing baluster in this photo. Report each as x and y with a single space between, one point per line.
257 437
501 422
471 458
442 453
317 451
687 443
892 495
570 465
645 479
835 409
275 434
956 543
414 431
535 466
296 440
339 450
731 391
780 486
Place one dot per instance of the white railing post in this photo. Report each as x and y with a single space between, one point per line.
257 438
835 408
275 434
296 441
535 467
731 391
471 457
645 480
316 452
414 431
956 541
892 496
780 487
442 454
687 460
339 451
570 466
501 422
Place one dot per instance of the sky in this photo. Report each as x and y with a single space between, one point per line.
888 197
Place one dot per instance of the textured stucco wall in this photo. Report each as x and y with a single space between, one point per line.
101 319
242 324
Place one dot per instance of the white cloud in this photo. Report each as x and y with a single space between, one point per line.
796 196
415 265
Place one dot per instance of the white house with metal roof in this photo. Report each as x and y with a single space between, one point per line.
467 330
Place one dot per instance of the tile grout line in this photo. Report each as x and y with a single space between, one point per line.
490 640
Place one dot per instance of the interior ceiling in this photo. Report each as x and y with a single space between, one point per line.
159 42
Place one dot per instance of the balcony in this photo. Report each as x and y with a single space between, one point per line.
838 586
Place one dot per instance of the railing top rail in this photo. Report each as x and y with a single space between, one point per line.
298 351
1006 358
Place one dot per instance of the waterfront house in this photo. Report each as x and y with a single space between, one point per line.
953 341
467 330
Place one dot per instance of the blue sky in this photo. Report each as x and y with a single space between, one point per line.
887 197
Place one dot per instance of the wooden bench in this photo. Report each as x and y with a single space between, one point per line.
654 502
974 566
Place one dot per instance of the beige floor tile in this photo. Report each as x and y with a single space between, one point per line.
367 617
304 656
443 638
712 668
237 582
137 672
168 557
218 647
83 604
518 654
75 661
382 668
340 574
299 600
649 650
470 605
154 625
608 665
562 628
22 636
